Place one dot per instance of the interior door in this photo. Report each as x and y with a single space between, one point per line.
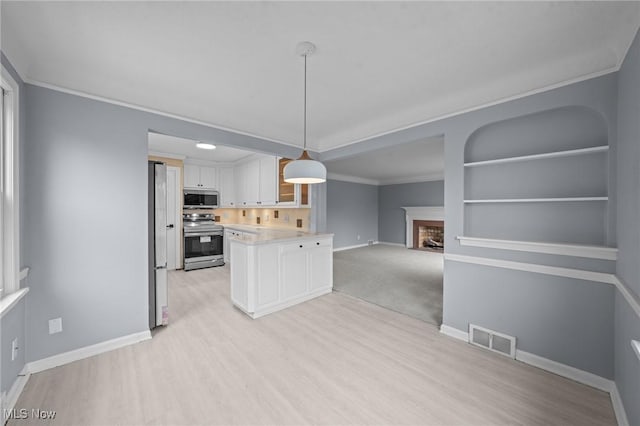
174 259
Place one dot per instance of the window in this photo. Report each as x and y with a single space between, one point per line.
9 239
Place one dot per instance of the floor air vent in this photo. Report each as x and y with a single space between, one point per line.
492 340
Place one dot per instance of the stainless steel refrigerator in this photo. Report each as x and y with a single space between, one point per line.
158 286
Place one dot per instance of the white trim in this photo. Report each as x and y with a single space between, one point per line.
419 213
618 406
567 371
557 154
577 250
636 347
86 352
454 332
152 111
546 364
11 181
352 179
11 300
24 272
481 106
320 149
578 274
352 247
629 295
11 398
414 179
536 200
386 243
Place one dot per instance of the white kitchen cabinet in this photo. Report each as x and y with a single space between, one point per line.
227 187
270 275
239 171
293 270
228 235
256 182
200 177
268 181
252 183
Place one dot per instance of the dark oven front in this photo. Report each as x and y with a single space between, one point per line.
202 246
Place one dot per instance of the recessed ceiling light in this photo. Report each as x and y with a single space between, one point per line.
205 146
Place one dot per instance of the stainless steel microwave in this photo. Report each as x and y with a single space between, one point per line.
200 199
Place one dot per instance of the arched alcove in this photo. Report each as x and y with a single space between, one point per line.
540 177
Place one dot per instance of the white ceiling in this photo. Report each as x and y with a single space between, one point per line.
186 148
380 66
417 161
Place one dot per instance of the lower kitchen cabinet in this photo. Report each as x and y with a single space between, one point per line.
268 276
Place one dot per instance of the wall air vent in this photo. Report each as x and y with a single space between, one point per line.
492 340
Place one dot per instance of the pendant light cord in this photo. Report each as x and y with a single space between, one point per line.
305 103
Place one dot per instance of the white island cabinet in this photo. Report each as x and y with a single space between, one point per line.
277 269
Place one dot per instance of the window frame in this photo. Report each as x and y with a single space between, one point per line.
10 202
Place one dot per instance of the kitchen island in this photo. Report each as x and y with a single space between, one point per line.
272 269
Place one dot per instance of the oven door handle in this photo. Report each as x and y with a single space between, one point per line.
203 234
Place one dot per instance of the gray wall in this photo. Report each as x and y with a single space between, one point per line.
85 234
557 298
627 323
391 223
13 325
352 210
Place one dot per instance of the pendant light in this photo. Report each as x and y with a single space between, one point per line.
305 169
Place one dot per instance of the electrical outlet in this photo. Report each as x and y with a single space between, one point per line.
14 349
358 237
55 325
286 218
266 219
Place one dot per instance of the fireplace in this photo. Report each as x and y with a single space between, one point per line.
425 224
428 235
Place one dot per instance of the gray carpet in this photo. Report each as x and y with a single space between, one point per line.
397 278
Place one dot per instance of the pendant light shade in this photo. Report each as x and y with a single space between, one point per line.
305 169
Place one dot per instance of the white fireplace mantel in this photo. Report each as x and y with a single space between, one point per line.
420 213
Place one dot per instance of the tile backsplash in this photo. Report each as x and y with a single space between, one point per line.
267 217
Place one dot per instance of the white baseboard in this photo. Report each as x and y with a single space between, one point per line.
86 352
391 244
454 332
352 247
618 407
560 369
567 371
16 389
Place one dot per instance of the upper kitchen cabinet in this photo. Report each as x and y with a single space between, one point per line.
268 180
288 193
226 187
199 177
256 182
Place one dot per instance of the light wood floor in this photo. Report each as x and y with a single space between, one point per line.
333 360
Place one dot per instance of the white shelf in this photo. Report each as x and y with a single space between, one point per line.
536 200
562 249
558 154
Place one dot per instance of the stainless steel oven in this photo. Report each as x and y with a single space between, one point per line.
203 242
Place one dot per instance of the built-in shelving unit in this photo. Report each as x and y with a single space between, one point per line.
539 178
557 154
538 200
577 250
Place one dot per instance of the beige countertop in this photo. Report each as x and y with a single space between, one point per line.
267 234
